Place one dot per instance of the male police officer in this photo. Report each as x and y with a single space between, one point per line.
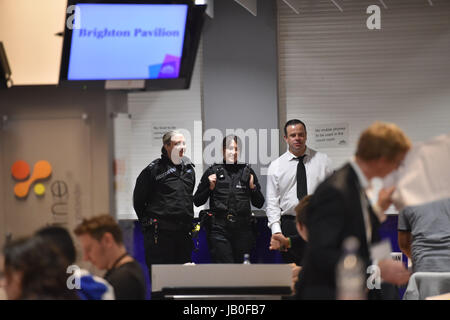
162 200
230 187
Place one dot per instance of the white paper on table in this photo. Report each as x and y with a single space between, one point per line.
425 175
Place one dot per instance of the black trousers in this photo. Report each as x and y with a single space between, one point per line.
228 242
288 228
171 247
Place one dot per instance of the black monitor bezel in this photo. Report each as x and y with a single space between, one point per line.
194 24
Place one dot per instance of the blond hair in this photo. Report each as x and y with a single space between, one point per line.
380 140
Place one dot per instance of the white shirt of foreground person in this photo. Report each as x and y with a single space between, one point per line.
424 176
281 193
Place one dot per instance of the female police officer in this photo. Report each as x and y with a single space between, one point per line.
230 187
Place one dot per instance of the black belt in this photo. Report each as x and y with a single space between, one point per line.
288 217
230 218
165 223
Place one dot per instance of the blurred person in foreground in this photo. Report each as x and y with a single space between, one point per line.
282 243
35 270
102 242
340 209
87 286
424 235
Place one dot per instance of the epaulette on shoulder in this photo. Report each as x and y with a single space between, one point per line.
188 162
153 163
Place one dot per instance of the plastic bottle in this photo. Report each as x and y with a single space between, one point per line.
350 277
246 259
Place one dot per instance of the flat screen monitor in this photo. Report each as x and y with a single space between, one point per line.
134 40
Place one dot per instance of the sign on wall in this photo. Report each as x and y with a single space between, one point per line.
334 135
22 173
48 175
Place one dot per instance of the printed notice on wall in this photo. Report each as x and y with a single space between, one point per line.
158 131
331 135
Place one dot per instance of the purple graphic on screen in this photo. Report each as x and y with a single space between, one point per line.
170 68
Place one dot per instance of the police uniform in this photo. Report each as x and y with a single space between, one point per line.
162 200
230 229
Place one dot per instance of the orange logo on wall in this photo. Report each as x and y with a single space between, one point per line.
20 170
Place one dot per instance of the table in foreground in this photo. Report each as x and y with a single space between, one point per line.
221 281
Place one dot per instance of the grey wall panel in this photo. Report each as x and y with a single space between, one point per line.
240 70
332 68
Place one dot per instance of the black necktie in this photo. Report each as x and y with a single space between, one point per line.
302 189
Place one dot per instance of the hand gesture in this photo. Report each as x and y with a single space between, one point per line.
384 198
212 181
252 182
295 272
394 272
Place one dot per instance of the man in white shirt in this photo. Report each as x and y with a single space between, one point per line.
293 175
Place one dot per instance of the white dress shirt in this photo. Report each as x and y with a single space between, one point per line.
281 193
383 249
424 176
